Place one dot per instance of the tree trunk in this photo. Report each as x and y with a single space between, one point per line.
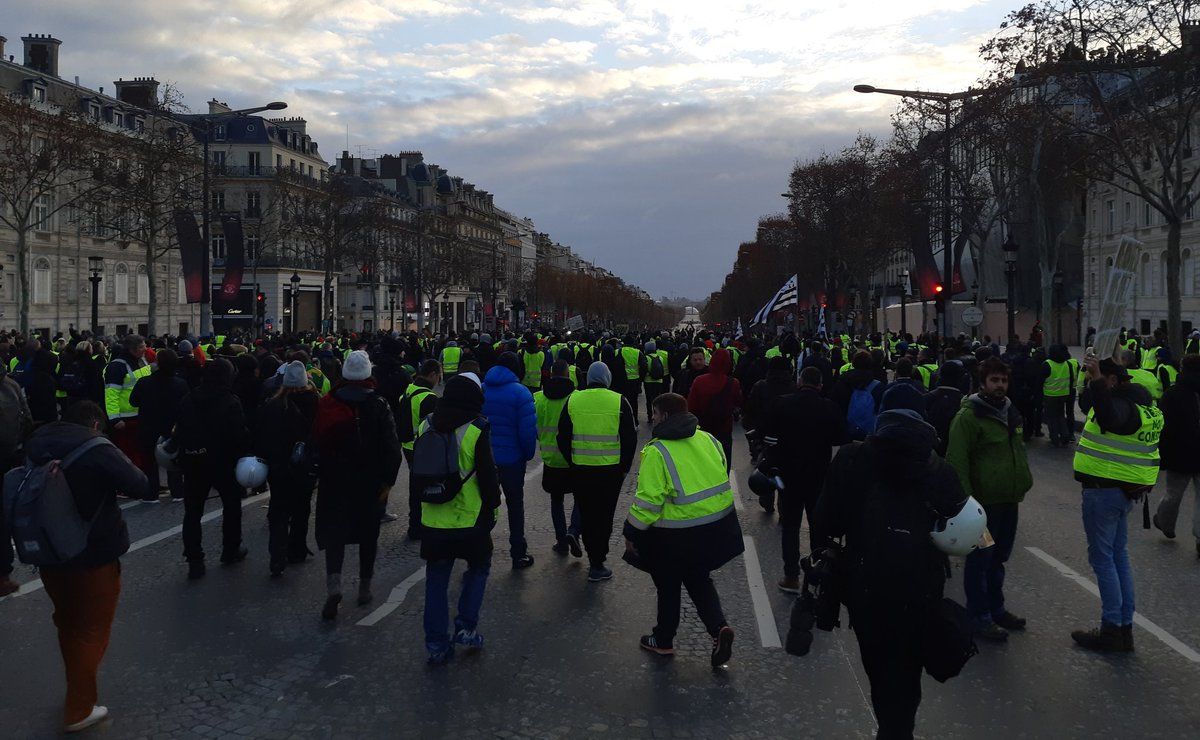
152 284
23 278
1174 311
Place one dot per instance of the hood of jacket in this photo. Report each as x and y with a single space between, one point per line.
557 388
903 443
1058 353
499 376
676 426
721 362
55 440
461 402
986 410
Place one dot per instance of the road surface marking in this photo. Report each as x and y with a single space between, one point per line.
768 632
737 493
1165 637
130 505
35 585
394 599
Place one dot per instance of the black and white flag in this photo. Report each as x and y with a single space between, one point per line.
786 296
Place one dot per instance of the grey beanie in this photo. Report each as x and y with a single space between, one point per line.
485 338
651 347
598 374
294 375
185 347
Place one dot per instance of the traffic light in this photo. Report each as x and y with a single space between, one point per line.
260 303
937 288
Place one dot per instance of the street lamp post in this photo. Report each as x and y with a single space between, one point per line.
946 100
295 281
392 302
1010 274
904 283
96 267
203 124
1058 288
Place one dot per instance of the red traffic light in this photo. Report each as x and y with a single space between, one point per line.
937 288
262 297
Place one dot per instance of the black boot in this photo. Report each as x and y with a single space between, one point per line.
1127 637
1107 639
195 570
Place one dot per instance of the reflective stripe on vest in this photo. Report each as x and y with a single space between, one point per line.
451 356
549 411
117 404
533 362
1059 382
596 425
1129 458
699 492
463 511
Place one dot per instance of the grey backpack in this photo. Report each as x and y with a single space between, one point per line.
46 526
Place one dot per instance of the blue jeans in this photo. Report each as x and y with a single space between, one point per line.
437 595
983 573
1105 512
512 482
558 515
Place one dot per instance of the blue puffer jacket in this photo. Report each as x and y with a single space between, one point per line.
508 405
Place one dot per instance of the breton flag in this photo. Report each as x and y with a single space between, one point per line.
821 323
738 334
786 296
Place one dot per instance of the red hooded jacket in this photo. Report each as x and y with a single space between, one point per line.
715 395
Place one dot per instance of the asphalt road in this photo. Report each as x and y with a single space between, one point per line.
240 655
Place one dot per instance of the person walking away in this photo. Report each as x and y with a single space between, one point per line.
459 529
598 438
656 373
85 589
157 398
1116 461
799 431
1178 447
884 496
682 524
531 365
714 398
1058 378
355 436
122 373
41 387
858 394
212 435
451 355
16 423
987 449
282 437
548 403
508 406
763 395
417 403
943 403
632 361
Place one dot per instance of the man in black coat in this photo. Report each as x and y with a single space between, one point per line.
1178 447
800 431
157 397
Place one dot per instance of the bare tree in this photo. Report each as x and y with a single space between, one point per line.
47 161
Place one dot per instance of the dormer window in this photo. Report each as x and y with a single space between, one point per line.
94 111
37 93
219 132
118 119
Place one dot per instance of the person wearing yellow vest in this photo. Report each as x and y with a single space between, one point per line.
927 368
548 404
120 376
461 528
631 360
1148 358
656 372
451 357
1165 371
597 437
533 364
1058 378
1117 462
417 403
1139 375
682 524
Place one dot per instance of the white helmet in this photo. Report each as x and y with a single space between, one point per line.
251 472
166 453
961 533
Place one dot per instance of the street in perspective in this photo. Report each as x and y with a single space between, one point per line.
759 371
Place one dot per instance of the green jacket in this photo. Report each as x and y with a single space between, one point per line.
988 451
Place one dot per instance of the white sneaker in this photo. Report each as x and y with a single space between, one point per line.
98 714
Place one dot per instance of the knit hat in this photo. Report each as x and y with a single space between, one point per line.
903 396
512 362
357 367
185 347
651 347
951 373
599 374
462 392
485 338
294 375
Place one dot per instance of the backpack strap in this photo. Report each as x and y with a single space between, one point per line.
460 434
79 451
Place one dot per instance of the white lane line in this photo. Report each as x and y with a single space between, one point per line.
1165 637
36 585
737 493
768 632
130 505
394 599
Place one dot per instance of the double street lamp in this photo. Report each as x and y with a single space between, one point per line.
1010 274
946 100
203 126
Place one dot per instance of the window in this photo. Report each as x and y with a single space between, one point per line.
181 288
41 280
38 94
310 171
218 159
1191 207
1162 273
41 213
217 198
1147 218
253 161
1111 207
292 165
94 111
1187 273
252 246
278 161
253 203
118 119
218 246
1128 212
1145 276
219 132
143 285
121 283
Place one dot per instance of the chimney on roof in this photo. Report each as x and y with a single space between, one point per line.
140 91
41 53
2 40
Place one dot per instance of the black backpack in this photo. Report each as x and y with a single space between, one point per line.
434 474
657 371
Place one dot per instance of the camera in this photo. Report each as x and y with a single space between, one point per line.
819 603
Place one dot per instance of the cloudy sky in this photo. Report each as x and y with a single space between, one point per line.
650 135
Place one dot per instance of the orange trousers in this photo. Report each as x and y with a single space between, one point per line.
85 601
